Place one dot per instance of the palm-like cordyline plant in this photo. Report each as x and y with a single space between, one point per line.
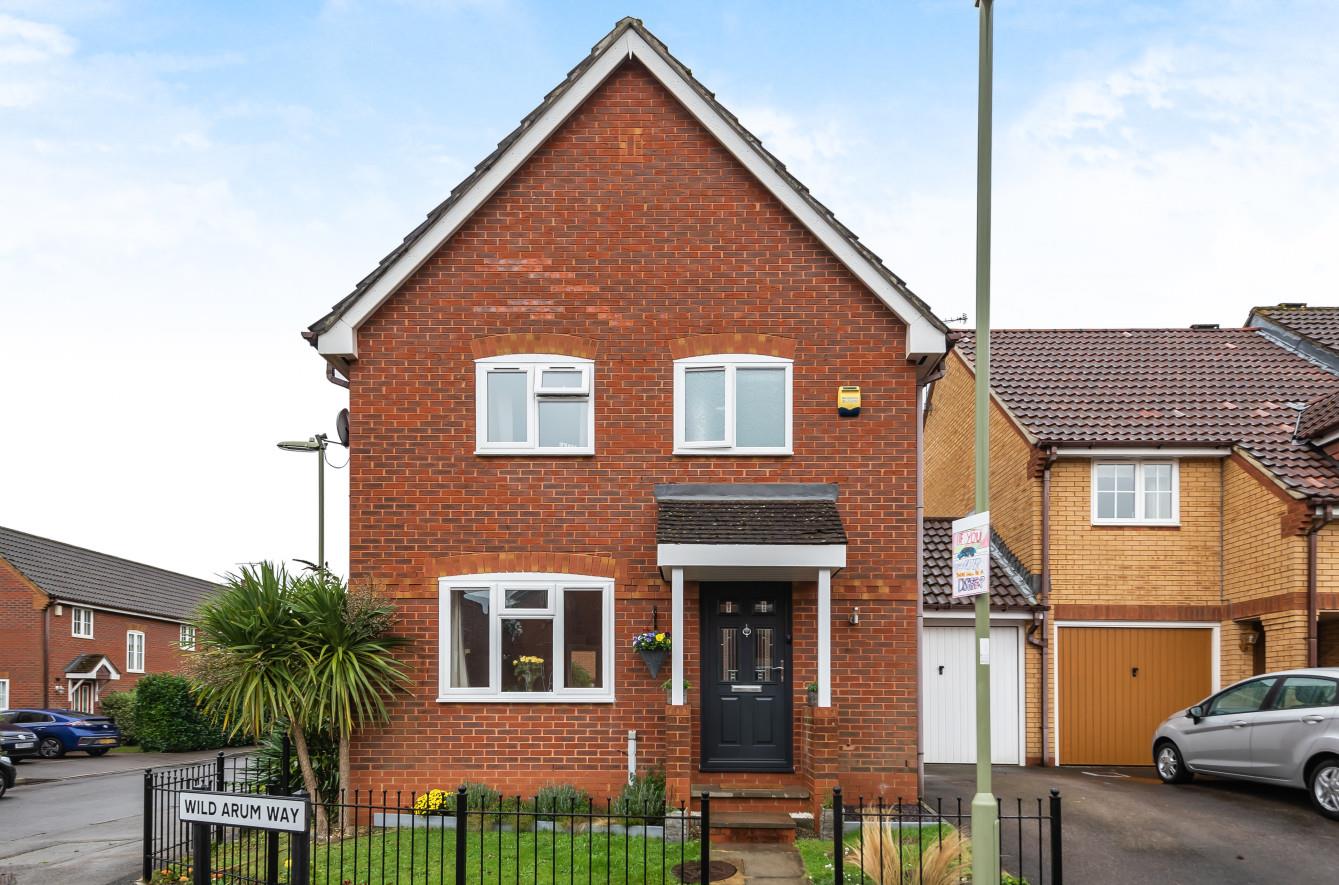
350 653
254 661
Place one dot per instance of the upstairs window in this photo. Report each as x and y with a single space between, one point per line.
186 639
535 404
1136 493
732 405
134 651
526 637
81 623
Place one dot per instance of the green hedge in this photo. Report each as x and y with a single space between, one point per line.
167 720
120 706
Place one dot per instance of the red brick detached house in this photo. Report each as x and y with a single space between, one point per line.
595 394
78 623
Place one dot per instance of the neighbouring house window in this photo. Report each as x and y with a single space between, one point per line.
134 651
526 637
81 623
733 404
535 404
1136 492
4 694
187 638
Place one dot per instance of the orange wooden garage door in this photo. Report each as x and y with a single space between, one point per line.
1117 684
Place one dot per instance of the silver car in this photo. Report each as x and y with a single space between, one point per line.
1279 728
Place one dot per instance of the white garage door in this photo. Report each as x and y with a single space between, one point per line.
949 695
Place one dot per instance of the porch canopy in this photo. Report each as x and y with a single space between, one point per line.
750 532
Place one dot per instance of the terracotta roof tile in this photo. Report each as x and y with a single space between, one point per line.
1148 387
1008 580
1320 324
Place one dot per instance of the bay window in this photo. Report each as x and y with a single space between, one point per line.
535 404
526 637
1136 493
732 404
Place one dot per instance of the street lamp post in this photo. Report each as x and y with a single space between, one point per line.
318 445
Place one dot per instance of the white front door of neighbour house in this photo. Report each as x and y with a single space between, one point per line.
83 695
948 661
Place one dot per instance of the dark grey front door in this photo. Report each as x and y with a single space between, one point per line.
746 665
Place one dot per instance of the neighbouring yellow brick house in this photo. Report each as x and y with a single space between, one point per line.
1170 494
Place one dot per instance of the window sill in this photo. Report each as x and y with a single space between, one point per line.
80 636
139 672
1138 523
536 453
736 453
517 698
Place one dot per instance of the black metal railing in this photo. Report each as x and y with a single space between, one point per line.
392 837
913 842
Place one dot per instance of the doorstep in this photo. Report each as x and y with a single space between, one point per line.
752 827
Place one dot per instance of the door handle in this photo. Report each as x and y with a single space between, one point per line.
1240 723
1313 719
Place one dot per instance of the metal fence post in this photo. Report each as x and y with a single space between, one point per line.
706 837
1057 852
218 785
272 849
148 824
462 824
838 837
201 862
299 869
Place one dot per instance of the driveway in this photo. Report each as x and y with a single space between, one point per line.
79 765
1122 825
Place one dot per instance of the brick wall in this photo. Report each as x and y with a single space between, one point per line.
631 228
950 468
21 650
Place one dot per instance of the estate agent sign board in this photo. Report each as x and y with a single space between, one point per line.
971 555
244 810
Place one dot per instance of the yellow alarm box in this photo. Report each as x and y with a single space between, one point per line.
848 401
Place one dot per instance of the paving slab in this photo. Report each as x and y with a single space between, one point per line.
765 864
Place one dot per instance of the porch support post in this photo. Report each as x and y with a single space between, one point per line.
825 637
676 643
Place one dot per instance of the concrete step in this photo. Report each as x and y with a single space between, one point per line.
751 827
715 791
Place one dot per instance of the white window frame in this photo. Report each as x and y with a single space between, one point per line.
74 622
1139 492
4 694
730 363
497 585
186 637
532 365
130 649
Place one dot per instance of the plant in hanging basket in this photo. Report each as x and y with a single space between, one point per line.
654 648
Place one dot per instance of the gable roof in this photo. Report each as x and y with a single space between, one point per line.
87 665
1009 587
1166 387
748 513
1313 325
335 334
73 574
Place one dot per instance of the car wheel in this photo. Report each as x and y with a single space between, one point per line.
1171 767
98 751
51 748
3 788
1323 787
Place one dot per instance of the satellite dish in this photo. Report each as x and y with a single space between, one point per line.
342 427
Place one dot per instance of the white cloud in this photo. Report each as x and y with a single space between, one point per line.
23 41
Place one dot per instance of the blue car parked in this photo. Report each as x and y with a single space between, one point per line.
60 731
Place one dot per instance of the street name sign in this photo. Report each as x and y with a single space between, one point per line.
243 810
971 555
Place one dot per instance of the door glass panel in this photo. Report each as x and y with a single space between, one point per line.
764 652
764 607
1306 691
527 654
527 598
1241 699
727 607
729 654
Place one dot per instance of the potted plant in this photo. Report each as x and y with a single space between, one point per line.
811 693
654 648
668 685
529 669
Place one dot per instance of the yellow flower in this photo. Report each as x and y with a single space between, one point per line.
660 637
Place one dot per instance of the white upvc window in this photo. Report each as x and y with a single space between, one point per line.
526 637
134 651
1136 493
732 404
535 404
186 639
81 622
4 694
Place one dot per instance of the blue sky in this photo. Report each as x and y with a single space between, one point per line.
184 187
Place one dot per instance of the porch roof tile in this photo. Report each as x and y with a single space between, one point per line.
748 513
1009 590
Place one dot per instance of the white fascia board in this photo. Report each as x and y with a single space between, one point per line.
752 555
923 338
1142 452
932 615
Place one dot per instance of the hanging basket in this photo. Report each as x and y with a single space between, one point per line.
655 659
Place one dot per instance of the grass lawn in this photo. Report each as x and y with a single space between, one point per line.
817 855
383 857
